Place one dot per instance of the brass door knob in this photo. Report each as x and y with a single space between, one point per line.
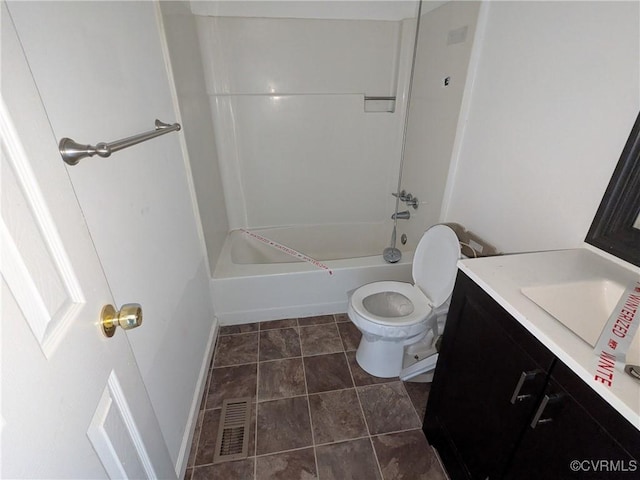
129 316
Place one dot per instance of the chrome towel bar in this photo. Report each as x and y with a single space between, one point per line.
72 152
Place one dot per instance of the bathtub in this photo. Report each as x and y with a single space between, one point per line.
255 282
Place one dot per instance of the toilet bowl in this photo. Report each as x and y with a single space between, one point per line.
392 315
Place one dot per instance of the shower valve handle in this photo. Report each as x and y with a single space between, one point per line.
407 198
402 195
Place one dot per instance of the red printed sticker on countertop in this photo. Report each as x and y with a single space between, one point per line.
617 335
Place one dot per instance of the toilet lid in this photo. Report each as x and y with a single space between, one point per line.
434 263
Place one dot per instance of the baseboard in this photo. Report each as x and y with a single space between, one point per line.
185 449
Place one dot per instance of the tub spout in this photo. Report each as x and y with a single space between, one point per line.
401 215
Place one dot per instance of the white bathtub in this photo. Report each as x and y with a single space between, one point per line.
253 281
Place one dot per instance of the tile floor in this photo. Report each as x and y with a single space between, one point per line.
315 413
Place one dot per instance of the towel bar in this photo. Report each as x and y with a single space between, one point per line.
72 152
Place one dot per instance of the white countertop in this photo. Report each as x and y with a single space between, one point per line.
502 277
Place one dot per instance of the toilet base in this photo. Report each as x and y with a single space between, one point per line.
383 358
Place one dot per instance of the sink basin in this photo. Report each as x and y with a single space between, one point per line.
583 306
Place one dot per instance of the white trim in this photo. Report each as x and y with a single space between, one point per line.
102 442
22 286
121 401
187 439
27 178
48 328
113 396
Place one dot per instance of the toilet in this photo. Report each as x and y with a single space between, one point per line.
392 315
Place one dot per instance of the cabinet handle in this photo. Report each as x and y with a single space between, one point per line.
524 377
554 397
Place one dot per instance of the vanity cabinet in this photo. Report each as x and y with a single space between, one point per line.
575 424
503 406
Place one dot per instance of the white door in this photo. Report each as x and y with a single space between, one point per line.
73 402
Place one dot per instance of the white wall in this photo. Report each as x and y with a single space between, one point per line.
295 145
102 76
434 109
188 74
554 97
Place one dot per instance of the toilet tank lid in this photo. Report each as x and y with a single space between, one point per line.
434 263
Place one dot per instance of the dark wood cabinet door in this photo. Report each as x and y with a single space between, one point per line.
470 417
569 440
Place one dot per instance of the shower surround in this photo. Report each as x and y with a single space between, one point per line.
287 96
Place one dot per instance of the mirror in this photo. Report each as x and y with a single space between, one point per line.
616 226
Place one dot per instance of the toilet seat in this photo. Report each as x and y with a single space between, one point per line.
421 307
434 274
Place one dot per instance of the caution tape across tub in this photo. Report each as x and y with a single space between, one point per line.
289 251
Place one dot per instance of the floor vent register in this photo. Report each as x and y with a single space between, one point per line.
232 442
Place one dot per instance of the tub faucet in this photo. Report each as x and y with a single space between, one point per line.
401 215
